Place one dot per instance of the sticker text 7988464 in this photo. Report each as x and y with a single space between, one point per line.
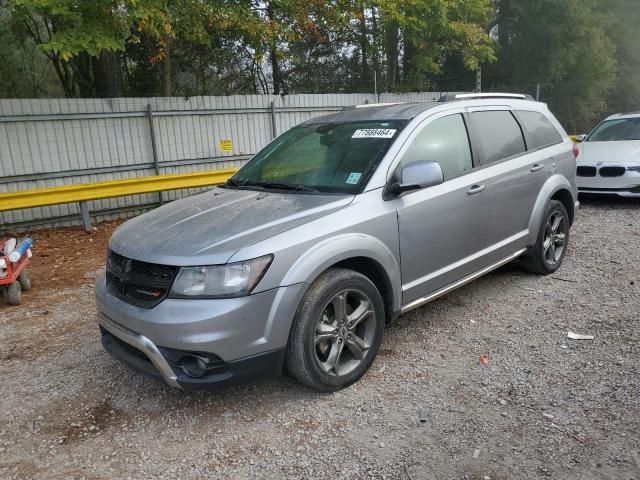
374 133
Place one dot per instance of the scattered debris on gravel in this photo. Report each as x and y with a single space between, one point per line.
542 405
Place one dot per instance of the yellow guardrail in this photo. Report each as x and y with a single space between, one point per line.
83 192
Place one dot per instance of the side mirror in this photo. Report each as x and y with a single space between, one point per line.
581 138
417 175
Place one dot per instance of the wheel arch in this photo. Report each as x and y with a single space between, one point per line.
564 196
557 187
377 274
361 253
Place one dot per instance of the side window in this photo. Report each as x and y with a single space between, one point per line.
541 132
497 134
444 141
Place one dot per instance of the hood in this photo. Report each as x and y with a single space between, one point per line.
207 229
624 151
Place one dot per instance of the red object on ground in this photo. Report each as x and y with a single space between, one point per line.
13 270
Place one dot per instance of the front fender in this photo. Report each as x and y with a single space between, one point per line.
342 247
554 184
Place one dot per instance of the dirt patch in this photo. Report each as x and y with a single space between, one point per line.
64 258
69 424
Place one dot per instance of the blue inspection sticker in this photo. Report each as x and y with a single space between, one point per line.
353 178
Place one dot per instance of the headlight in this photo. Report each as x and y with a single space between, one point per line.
634 169
222 281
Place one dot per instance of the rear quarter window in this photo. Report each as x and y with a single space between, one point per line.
540 131
497 134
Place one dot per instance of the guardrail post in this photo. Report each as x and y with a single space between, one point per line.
154 148
274 131
86 216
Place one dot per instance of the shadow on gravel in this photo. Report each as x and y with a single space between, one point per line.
609 201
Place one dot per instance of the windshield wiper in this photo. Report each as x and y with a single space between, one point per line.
232 183
287 186
269 185
237 184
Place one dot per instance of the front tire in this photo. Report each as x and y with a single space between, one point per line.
336 332
551 245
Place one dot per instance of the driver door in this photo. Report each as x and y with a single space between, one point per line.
442 229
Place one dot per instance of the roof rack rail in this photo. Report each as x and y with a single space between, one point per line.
369 105
450 97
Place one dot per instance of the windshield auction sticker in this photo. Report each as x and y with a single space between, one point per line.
354 177
374 133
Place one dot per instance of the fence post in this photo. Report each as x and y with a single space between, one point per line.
274 130
86 216
154 148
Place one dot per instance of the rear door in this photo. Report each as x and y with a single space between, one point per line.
515 176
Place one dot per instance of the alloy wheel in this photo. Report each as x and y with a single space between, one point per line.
555 235
344 332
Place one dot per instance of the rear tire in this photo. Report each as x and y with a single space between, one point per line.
336 332
14 293
546 256
25 281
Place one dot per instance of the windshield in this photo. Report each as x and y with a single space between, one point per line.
327 157
616 130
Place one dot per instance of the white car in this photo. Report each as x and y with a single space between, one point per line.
609 159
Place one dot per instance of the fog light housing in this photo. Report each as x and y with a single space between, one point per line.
197 365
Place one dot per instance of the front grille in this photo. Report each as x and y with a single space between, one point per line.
138 283
586 171
612 171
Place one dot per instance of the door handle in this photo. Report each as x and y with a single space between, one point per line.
536 167
476 189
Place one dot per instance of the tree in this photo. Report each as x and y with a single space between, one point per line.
26 71
624 18
421 35
563 46
85 40
79 38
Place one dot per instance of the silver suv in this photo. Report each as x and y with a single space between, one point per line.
331 232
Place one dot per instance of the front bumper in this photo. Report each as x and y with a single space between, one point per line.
142 355
247 335
625 185
112 331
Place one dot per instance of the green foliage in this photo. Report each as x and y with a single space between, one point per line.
624 31
26 71
70 27
582 53
563 46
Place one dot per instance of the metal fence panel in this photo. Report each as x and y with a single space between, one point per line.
54 142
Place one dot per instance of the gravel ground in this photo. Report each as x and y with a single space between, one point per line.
543 405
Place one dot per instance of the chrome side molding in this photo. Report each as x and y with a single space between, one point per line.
463 281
